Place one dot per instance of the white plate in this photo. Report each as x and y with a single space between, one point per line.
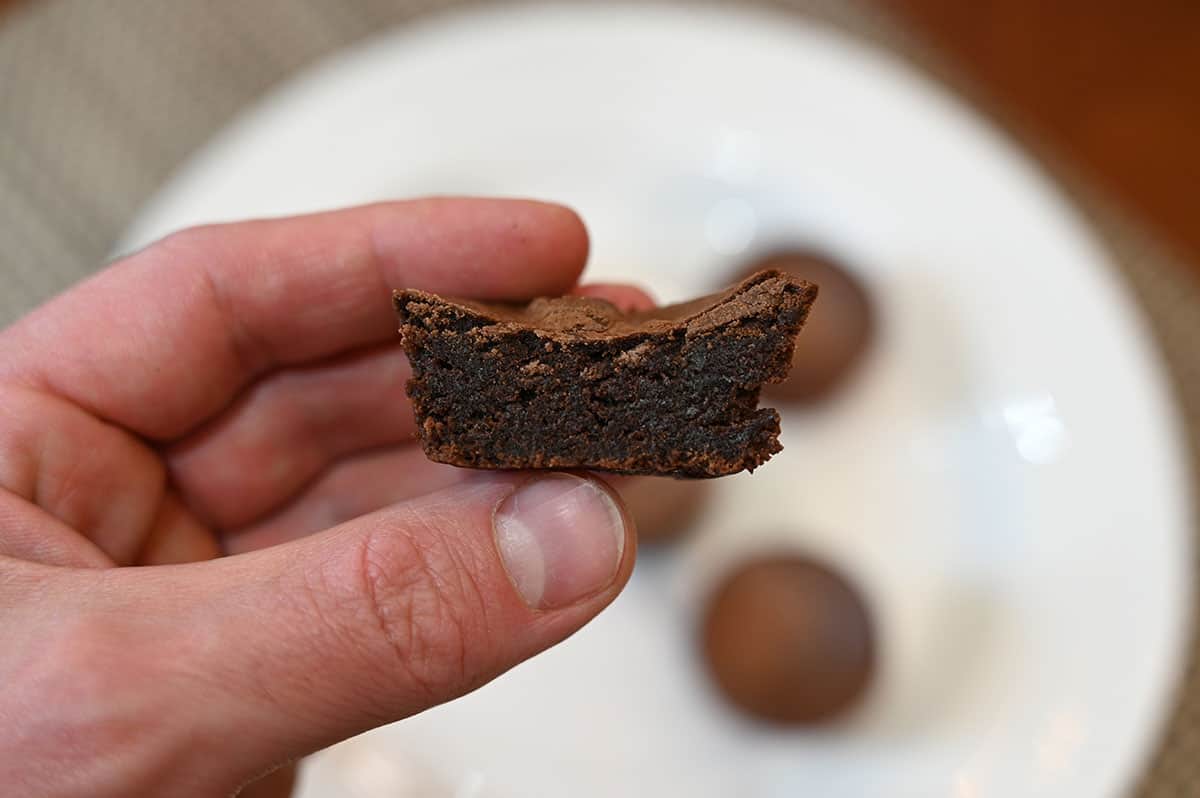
1004 479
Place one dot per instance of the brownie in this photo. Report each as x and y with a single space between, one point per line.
573 382
789 640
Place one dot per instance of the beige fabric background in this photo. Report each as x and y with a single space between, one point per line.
101 99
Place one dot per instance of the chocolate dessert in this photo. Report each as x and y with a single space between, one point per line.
789 641
573 382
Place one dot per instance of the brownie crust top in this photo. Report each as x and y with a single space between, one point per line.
576 317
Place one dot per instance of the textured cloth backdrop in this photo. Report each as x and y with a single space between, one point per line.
100 101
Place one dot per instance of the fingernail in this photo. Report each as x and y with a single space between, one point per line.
561 538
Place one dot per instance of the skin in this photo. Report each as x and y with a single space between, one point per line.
238 390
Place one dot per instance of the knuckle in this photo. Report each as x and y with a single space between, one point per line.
424 608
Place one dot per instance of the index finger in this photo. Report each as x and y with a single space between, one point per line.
160 341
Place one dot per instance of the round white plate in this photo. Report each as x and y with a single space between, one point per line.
1003 478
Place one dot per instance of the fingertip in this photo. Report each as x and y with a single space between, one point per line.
485 248
562 236
562 539
611 484
628 298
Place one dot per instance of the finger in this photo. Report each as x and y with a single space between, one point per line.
276 784
353 487
177 536
190 320
95 478
287 429
301 645
626 297
29 533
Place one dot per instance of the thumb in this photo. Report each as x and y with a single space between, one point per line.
392 613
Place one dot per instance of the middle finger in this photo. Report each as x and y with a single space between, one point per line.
287 429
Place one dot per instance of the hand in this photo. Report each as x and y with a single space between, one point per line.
235 389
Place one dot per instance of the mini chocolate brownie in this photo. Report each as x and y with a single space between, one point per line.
573 382
789 640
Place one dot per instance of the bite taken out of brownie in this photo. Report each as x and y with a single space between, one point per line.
573 382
